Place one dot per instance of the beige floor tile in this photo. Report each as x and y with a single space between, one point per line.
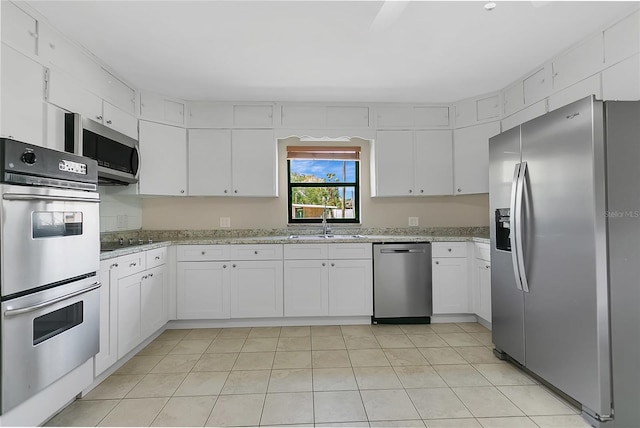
302 343
461 375
83 413
176 363
388 405
504 374
477 354
338 406
139 364
173 334
442 356
295 331
234 333
460 339
534 400
292 360
356 330
215 363
114 387
290 380
427 340
344 424
394 341
254 361
288 408
509 422
222 345
159 347
326 343
236 410
473 327
416 329
438 403
185 412
264 332
202 383
376 378
368 358
386 329
327 359
247 382
417 423
486 402
446 328
157 385
567 421
419 377
326 330
361 342
202 334
453 423
484 338
334 379
405 357
186 346
260 344
134 412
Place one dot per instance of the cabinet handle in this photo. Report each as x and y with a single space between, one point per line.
150 275
33 34
449 249
235 191
437 263
333 264
52 45
233 265
224 266
109 122
421 190
324 264
133 264
157 257
203 253
488 266
459 190
410 191
115 265
99 117
225 191
144 277
182 191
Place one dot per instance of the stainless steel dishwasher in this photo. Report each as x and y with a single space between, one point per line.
402 283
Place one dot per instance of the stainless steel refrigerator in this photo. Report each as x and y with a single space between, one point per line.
565 253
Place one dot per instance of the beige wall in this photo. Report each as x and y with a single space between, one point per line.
171 213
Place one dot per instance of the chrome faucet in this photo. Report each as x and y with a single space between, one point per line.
325 229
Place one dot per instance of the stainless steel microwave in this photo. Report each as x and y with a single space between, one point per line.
117 154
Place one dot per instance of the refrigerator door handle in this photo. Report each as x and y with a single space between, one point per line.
519 245
514 221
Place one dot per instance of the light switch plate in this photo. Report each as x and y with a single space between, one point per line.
413 221
225 221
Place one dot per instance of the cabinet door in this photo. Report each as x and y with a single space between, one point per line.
205 114
154 107
582 61
203 290
21 81
350 287
163 159
257 116
483 288
392 164
537 86
427 117
18 28
450 287
256 289
108 354
254 163
488 108
348 117
306 288
117 92
394 117
120 120
67 93
433 163
152 305
129 322
209 162
513 98
471 157
621 82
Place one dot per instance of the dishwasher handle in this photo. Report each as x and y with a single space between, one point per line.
407 250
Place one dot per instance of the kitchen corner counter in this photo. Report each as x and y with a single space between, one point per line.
131 249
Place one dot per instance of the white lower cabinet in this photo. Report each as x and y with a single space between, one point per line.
129 319
350 287
450 278
306 288
203 290
152 307
481 281
108 354
256 289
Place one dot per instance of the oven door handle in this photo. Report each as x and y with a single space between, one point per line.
18 311
26 197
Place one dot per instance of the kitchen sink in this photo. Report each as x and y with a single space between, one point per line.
323 237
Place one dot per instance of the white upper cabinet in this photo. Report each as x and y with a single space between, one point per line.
488 108
466 112
531 112
253 116
204 114
392 164
209 162
163 159
323 116
117 92
21 85
471 157
161 109
622 40
19 30
394 117
433 163
575 92
580 62
537 86
119 120
389 117
431 117
622 81
347 117
67 93
513 98
254 162
479 109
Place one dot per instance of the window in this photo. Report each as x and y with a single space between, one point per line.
322 177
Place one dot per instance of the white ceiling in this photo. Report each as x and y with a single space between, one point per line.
274 50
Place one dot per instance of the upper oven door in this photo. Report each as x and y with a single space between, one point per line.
48 235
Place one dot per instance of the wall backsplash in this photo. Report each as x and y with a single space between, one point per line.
118 212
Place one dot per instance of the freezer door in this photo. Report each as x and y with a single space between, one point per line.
507 301
564 236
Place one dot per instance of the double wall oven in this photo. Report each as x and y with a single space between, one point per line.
49 255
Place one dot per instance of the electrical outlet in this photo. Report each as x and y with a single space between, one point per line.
225 221
413 221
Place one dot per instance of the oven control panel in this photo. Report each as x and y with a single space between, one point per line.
73 167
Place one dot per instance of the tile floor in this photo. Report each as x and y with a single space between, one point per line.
438 375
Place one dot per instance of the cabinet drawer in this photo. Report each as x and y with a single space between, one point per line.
256 252
201 253
305 251
156 257
130 264
449 249
349 251
483 252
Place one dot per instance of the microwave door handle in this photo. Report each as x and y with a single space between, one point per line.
514 230
25 197
18 311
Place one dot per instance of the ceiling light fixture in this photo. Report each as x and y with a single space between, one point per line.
490 6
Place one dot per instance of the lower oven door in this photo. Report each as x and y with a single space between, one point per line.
46 335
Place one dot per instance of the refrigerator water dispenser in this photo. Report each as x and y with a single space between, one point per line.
503 229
